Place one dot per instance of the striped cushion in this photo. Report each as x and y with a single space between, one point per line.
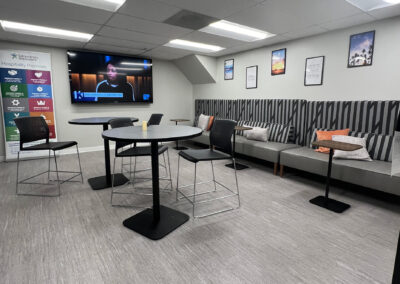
279 132
379 146
251 124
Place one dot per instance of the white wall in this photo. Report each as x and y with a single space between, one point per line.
380 81
173 96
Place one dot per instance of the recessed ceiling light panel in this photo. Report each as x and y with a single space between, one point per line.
236 31
44 31
195 46
108 5
369 5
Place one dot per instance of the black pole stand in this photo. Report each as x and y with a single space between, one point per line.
102 182
238 165
159 221
325 201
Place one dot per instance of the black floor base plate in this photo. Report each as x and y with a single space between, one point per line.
143 223
98 183
180 148
238 166
330 204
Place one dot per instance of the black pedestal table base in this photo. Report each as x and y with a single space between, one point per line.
238 166
144 224
330 204
98 183
180 148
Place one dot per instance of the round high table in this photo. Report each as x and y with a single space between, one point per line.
159 221
102 182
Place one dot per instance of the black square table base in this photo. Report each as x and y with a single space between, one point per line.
143 223
180 148
330 204
238 166
98 183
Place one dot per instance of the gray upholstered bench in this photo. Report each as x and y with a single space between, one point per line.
375 174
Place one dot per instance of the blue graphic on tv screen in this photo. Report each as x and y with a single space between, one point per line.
145 64
39 91
146 97
107 58
12 75
94 97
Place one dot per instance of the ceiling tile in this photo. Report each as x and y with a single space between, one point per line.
113 49
131 35
59 9
122 43
28 17
214 8
212 39
348 22
309 31
385 12
148 10
139 25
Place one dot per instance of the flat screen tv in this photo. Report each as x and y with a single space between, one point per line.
102 78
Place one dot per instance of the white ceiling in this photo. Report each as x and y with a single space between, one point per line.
137 28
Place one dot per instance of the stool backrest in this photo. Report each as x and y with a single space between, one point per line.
117 123
155 119
31 129
221 135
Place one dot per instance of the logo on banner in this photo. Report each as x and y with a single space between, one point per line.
16 115
38 74
14 88
13 55
41 103
39 89
15 102
12 72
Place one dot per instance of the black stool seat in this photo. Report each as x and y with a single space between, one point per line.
55 146
195 155
141 151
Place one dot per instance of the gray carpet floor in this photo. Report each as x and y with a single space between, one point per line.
276 236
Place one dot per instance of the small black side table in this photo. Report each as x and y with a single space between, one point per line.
159 221
325 201
238 165
177 120
102 182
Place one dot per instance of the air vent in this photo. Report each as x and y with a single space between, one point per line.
190 20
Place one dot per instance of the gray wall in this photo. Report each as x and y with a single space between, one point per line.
377 82
173 96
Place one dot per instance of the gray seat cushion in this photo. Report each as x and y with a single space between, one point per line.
375 174
269 151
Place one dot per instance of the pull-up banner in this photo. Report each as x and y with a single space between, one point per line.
26 90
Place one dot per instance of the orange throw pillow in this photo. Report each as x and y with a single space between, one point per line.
210 123
327 135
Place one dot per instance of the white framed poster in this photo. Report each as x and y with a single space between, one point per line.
314 71
26 90
251 77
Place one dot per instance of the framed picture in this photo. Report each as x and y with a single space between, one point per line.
314 71
251 77
361 49
278 62
228 69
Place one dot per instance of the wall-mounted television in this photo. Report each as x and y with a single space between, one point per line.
105 78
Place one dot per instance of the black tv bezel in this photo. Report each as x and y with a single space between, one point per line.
108 103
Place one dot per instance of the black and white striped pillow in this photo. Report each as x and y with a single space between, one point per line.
251 124
379 146
279 132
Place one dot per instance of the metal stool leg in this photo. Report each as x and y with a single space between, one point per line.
79 161
194 188
58 177
169 169
215 184
48 174
177 180
237 184
16 189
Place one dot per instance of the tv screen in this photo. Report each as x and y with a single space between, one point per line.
103 78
